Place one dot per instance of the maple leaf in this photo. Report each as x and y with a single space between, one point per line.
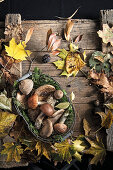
64 150
6 121
5 103
106 34
63 53
97 149
102 80
68 29
59 64
86 127
13 151
44 149
17 51
107 119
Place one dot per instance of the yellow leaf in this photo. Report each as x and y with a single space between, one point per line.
78 145
72 96
17 51
43 149
74 63
13 151
73 47
86 126
59 64
6 121
63 149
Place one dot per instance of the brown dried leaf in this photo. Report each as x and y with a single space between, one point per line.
68 29
48 35
29 34
86 127
102 80
51 40
78 38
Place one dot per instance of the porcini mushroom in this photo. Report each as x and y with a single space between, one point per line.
47 128
44 91
58 94
26 86
46 110
54 118
33 101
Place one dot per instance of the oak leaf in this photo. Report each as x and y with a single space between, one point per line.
68 29
107 119
13 151
106 34
17 51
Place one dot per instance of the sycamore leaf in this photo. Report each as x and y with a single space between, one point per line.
109 106
68 29
63 105
5 103
106 34
86 127
98 150
17 51
59 64
29 34
13 151
6 121
74 63
64 150
44 149
107 119
63 54
72 96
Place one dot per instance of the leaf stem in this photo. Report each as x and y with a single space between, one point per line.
98 129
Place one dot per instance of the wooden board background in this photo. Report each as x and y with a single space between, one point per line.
85 94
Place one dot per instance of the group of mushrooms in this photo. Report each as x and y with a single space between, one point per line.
40 104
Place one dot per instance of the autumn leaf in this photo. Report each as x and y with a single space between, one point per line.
29 34
72 96
78 38
17 51
102 80
107 119
73 47
97 149
63 105
64 150
68 29
6 121
109 106
49 32
106 34
56 45
5 103
86 127
63 53
13 151
59 64
44 149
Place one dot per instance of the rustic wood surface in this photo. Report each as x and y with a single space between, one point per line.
107 18
85 94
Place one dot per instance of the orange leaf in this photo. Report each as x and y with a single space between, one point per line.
68 29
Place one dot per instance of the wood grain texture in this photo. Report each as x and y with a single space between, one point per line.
107 18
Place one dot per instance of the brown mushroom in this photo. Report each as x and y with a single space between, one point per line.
22 99
44 91
60 127
51 100
33 114
26 86
33 101
58 94
54 118
47 129
46 110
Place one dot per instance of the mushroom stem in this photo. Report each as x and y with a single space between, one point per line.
56 116
39 120
41 102
64 117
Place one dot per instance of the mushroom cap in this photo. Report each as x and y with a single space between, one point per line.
47 109
26 86
58 94
47 129
60 127
44 91
33 101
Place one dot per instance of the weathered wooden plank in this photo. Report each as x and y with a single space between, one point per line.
107 18
88 29
49 68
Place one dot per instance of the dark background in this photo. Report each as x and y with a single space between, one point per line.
49 9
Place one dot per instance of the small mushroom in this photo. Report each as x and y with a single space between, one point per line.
60 127
46 110
44 91
58 94
51 100
54 118
26 86
22 99
33 101
47 129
